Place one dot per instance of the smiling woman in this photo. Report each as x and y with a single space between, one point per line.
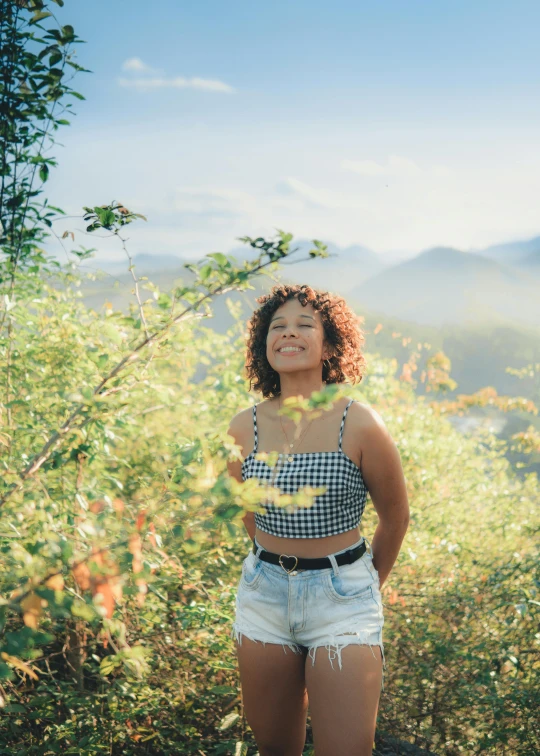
327 594
319 317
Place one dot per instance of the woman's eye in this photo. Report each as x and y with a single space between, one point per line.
302 325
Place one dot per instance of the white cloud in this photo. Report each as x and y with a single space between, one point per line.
201 187
442 171
178 82
136 64
321 197
336 201
212 199
397 166
364 167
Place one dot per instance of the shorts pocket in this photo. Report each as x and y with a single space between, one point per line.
371 567
251 572
353 583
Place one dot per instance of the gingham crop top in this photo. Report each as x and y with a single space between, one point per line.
339 509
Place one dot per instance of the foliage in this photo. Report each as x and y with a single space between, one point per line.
31 87
122 551
121 532
480 353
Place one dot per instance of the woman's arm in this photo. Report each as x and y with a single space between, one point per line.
237 430
384 478
249 522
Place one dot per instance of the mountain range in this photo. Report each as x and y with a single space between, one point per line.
440 286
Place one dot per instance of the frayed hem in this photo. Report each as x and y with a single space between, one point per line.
238 634
355 639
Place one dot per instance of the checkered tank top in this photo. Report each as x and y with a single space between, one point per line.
339 509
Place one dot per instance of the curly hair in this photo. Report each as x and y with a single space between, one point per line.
342 332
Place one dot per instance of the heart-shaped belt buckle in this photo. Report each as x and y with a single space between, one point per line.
286 556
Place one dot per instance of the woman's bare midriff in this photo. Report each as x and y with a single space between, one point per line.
307 547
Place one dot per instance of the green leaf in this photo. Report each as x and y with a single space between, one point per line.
190 546
228 721
92 354
14 707
83 610
106 216
110 331
109 664
164 301
39 16
205 271
220 258
6 673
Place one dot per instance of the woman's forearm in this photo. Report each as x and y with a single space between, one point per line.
249 522
385 545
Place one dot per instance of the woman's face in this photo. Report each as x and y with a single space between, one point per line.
295 325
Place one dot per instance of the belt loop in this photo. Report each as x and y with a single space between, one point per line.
258 547
335 565
368 545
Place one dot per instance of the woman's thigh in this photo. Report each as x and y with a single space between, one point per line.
342 629
344 702
274 695
271 664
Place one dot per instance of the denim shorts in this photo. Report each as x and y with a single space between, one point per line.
332 607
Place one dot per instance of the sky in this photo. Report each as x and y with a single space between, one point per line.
394 125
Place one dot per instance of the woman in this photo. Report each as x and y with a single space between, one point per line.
309 593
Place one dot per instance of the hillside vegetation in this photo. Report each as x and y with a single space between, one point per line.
122 539
121 532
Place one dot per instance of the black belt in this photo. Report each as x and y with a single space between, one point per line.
306 563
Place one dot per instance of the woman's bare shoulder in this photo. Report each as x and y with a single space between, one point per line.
365 416
365 428
240 424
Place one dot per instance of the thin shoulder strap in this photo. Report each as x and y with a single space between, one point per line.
343 423
255 434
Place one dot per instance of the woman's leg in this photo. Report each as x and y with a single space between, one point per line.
344 702
274 695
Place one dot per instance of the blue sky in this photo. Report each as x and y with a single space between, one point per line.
395 125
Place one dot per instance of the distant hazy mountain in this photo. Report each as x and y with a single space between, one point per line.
345 267
439 286
145 264
514 253
348 267
443 285
531 262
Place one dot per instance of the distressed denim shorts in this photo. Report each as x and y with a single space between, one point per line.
302 610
